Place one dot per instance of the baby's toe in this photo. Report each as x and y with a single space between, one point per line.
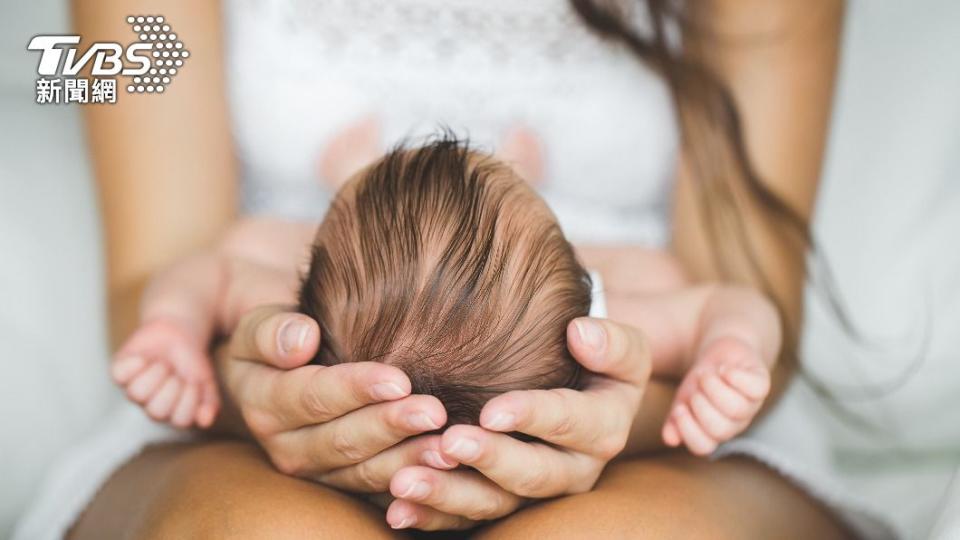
126 368
143 386
209 405
186 408
671 436
753 384
714 423
696 439
729 401
163 401
522 149
690 384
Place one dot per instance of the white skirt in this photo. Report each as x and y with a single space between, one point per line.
74 480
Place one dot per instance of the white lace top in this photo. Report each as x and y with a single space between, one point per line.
301 71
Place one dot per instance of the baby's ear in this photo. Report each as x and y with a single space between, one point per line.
357 145
521 148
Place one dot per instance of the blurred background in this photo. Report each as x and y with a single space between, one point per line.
52 333
888 219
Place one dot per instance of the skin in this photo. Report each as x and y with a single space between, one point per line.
154 215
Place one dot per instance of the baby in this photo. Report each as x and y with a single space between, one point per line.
443 262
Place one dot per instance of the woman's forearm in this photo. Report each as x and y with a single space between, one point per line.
164 164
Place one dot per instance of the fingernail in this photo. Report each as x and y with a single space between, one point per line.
502 422
591 333
387 390
416 490
404 523
680 411
464 449
293 335
436 460
421 421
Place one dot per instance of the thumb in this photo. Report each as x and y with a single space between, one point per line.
275 336
612 349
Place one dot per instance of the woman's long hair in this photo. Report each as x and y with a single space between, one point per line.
727 184
712 141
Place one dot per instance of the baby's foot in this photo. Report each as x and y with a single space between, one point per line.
164 368
521 148
355 147
718 397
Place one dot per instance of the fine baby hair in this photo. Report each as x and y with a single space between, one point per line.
442 261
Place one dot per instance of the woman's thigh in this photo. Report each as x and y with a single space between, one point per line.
677 496
220 490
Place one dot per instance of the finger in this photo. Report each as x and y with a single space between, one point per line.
146 383
126 368
714 423
593 423
460 493
408 515
359 435
613 349
753 384
318 394
695 438
209 404
373 475
163 401
186 407
729 401
671 435
526 469
274 336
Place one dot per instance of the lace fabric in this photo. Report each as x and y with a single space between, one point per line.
300 71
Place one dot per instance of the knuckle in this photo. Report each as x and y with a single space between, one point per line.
610 438
486 508
356 379
258 422
717 430
738 410
286 463
314 404
367 478
609 446
344 445
564 426
533 483
586 483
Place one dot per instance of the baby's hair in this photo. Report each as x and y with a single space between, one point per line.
441 261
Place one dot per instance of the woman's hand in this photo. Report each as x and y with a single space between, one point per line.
347 425
583 431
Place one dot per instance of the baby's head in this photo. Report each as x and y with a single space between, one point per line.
442 262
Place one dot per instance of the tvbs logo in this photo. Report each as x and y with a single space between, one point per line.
150 63
106 57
